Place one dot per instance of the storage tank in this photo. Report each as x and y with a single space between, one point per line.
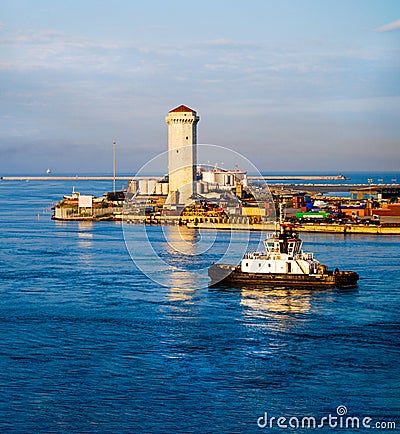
158 188
151 186
209 176
203 187
165 188
132 186
143 186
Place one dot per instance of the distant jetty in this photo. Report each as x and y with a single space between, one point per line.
129 178
339 177
74 178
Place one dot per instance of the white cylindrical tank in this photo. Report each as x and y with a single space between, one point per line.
165 188
158 188
143 186
204 187
208 176
151 186
132 186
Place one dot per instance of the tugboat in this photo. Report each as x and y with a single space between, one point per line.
283 264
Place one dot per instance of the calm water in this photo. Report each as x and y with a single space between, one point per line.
91 345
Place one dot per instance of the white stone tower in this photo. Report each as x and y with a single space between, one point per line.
182 152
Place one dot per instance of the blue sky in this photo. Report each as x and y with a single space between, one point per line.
292 85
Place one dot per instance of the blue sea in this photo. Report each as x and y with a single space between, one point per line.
90 344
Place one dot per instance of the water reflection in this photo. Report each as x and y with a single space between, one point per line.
275 303
183 241
178 257
85 225
85 243
180 294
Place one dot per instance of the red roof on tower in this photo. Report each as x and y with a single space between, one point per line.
182 108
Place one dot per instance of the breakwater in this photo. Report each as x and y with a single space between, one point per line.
75 178
128 178
298 177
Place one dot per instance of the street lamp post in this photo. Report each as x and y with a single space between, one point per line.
370 181
115 165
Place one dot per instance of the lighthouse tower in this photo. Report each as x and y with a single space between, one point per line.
182 154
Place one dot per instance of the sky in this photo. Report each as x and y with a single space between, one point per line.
293 85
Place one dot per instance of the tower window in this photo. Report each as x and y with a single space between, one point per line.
187 138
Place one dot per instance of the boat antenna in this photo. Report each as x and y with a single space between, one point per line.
281 215
115 166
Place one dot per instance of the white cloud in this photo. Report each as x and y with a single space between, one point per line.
225 44
30 50
395 25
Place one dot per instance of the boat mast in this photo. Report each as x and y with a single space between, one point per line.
281 215
115 167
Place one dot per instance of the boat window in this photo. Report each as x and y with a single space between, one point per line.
270 246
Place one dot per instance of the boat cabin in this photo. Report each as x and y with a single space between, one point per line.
289 246
282 254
